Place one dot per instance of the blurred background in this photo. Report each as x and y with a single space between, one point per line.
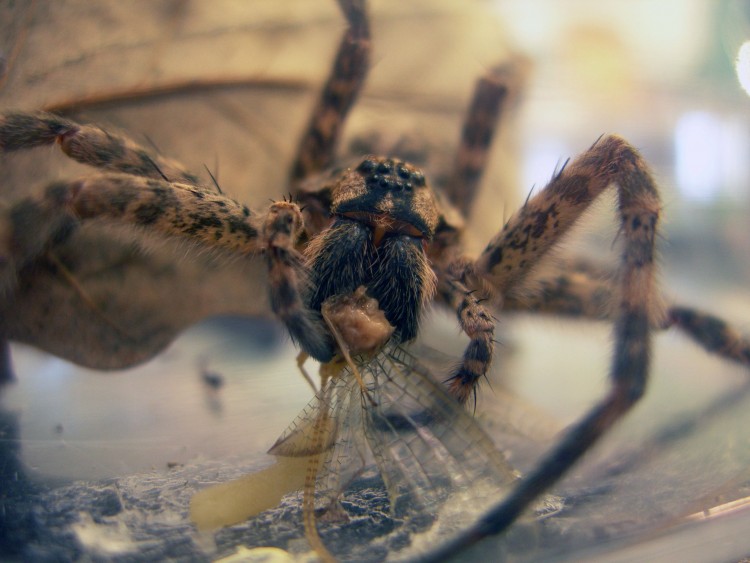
229 86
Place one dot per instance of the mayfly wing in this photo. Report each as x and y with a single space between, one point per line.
427 447
350 453
323 409
336 407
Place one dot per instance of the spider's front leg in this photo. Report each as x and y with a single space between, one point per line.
89 145
477 323
518 248
177 210
147 190
290 283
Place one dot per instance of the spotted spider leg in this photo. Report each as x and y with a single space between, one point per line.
318 144
711 332
491 97
568 292
515 251
89 145
289 281
520 245
492 94
143 197
580 289
477 322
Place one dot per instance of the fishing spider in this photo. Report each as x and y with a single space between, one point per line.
380 224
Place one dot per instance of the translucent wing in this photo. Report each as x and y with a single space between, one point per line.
427 447
428 450
330 425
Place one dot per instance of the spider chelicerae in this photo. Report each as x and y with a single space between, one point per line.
379 224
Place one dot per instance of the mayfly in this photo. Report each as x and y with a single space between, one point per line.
429 451
378 403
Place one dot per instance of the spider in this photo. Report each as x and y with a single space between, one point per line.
380 224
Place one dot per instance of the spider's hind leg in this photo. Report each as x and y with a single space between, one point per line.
580 289
492 94
318 144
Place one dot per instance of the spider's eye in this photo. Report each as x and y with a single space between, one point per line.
384 167
387 183
390 175
367 166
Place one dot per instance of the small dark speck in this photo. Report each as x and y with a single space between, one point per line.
212 379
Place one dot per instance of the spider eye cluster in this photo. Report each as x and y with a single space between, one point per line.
388 192
390 175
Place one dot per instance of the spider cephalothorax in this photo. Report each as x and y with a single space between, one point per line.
389 195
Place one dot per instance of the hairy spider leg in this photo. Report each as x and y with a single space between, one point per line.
566 293
289 281
491 97
478 324
527 237
711 332
89 145
317 147
538 226
178 210
580 289
144 194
